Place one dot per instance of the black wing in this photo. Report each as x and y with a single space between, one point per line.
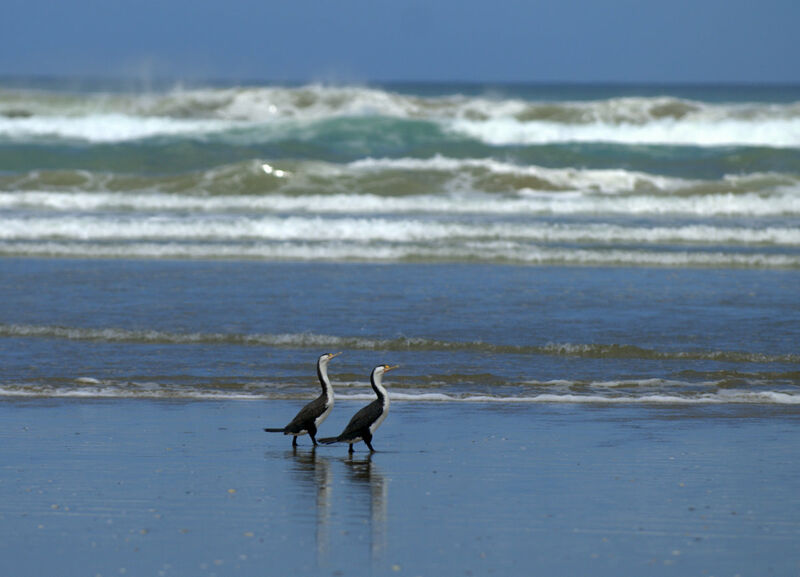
306 416
361 421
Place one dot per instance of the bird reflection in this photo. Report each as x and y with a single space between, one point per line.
364 473
363 482
316 471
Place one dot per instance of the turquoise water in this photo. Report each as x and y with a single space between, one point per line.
615 244
703 177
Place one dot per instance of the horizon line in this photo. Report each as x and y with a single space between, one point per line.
165 79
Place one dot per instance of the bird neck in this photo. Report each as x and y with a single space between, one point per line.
322 374
376 379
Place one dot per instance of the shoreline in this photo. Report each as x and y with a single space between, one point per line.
186 487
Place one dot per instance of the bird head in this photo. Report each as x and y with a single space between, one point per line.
324 359
381 369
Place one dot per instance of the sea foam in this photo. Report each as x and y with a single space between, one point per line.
106 128
498 120
315 229
128 390
701 132
530 202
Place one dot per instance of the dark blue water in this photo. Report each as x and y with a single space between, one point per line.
150 328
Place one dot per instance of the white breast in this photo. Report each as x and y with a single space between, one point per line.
326 412
373 427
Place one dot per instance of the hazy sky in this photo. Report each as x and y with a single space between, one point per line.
362 40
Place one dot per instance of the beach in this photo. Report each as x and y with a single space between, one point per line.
590 291
138 487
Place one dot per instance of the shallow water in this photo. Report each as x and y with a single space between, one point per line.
196 488
460 332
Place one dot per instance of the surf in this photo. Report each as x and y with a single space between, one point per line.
521 117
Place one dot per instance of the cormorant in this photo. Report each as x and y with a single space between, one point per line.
311 416
364 423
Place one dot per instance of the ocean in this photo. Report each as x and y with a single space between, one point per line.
608 244
592 294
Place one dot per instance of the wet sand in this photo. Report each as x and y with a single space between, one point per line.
139 487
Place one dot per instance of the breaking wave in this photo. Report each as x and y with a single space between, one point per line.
437 209
665 395
269 112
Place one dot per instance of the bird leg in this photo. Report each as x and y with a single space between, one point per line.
368 441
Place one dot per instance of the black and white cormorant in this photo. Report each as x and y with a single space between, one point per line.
310 417
364 423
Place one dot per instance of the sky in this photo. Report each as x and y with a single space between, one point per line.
637 41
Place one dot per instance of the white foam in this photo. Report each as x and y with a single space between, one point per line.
779 203
110 390
500 121
104 128
117 391
729 397
722 397
457 177
316 102
594 180
482 252
508 131
638 121
384 230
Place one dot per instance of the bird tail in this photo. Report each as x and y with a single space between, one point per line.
328 440
281 430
